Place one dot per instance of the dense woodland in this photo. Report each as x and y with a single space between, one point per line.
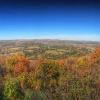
35 71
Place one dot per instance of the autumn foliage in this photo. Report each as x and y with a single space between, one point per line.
72 78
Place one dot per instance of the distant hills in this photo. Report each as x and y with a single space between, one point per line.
48 41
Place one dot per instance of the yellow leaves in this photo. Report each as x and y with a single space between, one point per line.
82 62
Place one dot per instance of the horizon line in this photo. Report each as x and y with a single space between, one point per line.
49 39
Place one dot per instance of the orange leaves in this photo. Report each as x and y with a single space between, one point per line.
17 64
61 62
18 69
95 56
22 65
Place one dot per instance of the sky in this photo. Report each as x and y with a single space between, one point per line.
50 19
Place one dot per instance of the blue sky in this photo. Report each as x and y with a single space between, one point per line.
71 23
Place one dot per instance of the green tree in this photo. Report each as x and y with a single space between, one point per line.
12 90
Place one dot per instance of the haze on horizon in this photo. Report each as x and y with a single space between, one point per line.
50 19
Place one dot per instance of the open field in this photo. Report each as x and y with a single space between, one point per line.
48 48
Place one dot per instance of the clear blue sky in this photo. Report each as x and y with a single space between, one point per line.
53 22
